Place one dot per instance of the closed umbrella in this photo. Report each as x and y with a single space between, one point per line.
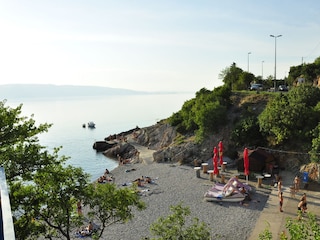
246 162
221 152
215 161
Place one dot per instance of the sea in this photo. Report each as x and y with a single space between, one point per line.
111 114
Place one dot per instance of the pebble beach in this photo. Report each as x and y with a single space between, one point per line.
174 184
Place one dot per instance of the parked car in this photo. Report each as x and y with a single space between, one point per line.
283 88
256 87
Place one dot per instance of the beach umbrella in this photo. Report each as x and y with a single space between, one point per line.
246 162
221 152
215 161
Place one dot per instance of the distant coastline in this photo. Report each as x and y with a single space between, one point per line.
23 91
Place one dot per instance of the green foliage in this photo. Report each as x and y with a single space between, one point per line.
306 94
247 132
266 234
308 71
44 190
173 226
315 150
203 114
179 139
18 138
290 116
109 204
230 76
307 228
54 193
244 81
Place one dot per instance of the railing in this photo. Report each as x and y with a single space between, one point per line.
7 229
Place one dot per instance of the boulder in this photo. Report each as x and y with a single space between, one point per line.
101 146
125 151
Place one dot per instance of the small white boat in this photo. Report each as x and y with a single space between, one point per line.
91 125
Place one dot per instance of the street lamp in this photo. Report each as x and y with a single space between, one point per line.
275 59
262 69
248 60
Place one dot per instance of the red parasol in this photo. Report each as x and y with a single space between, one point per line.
215 161
246 162
221 152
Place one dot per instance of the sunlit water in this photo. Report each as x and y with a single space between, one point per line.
111 115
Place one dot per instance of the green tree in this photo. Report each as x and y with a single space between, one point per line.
308 71
173 226
247 132
43 189
315 149
306 94
291 116
54 193
244 81
203 114
230 76
109 204
20 152
208 118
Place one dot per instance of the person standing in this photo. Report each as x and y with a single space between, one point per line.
302 206
303 201
280 195
296 183
279 184
79 208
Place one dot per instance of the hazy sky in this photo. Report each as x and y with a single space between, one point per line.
165 45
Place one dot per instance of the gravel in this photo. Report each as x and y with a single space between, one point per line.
176 184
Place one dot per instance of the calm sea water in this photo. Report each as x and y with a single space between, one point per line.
111 115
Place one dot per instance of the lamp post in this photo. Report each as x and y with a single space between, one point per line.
248 60
262 69
275 59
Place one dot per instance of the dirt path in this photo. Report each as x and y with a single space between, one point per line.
146 155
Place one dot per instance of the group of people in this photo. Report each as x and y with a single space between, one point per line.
85 230
106 177
123 161
302 205
141 181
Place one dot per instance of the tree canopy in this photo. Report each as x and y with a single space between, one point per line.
203 114
174 226
291 116
44 190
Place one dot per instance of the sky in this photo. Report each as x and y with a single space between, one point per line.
148 45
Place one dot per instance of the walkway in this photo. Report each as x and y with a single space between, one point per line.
276 219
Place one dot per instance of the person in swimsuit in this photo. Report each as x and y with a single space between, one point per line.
280 195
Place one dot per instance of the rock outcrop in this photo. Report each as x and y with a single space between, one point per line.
169 146
101 146
122 151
